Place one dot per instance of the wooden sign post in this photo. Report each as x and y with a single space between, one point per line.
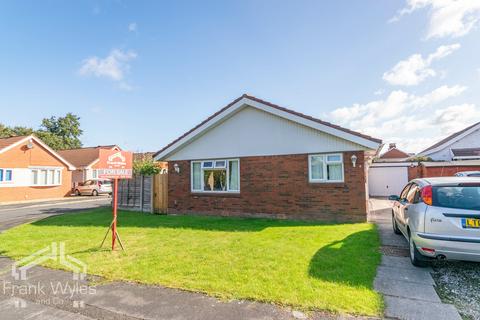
114 164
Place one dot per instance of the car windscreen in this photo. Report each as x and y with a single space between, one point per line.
457 197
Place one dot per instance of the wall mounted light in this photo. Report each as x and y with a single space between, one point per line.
354 160
176 167
30 144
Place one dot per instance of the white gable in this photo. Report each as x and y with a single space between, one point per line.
471 140
253 132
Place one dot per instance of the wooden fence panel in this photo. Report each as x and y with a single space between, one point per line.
135 193
160 197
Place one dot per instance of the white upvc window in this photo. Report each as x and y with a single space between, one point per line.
6 175
45 176
325 168
221 176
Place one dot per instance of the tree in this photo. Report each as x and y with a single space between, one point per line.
62 132
6 132
58 133
146 167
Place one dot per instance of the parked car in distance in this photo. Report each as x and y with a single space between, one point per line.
468 174
440 218
94 187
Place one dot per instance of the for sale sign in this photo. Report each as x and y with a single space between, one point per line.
115 164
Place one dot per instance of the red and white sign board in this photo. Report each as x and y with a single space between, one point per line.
115 164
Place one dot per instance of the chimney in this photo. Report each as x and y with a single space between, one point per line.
391 146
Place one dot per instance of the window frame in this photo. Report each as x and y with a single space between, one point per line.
3 175
325 168
55 170
202 177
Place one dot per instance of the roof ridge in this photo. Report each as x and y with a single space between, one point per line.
93 147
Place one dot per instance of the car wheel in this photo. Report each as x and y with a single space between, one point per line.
395 225
415 255
95 193
77 193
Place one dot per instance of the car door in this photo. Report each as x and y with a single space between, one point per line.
408 206
86 187
399 206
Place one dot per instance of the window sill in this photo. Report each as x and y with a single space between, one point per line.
328 184
216 194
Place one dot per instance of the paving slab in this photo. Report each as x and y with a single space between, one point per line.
408 275
16 308
399 262
398 288
401 308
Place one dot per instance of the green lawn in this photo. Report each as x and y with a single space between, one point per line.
303 264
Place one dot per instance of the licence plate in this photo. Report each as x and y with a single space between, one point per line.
470 223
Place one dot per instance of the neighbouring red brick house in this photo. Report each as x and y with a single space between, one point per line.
256 158
31 170
85 160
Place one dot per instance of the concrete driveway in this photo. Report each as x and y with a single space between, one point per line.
409 291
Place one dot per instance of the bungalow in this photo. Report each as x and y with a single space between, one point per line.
30 170
458 152
85 161
461 145
255 158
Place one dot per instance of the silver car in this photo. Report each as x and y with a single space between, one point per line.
468 174
440 217
94 187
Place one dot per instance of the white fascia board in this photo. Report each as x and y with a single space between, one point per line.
392 164
92 163
283 114
451 141
13 145
466 157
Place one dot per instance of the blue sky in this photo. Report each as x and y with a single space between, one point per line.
140 73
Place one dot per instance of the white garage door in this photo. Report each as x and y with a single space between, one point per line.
386 181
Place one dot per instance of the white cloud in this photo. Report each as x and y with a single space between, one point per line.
403 118
132 27
455 118
113 67
379 92
416 69
446 17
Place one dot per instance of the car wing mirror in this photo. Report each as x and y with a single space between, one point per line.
394 198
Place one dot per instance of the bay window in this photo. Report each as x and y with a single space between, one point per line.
325 168
45 176
215 175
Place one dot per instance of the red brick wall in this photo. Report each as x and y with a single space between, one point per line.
446 171
276 186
